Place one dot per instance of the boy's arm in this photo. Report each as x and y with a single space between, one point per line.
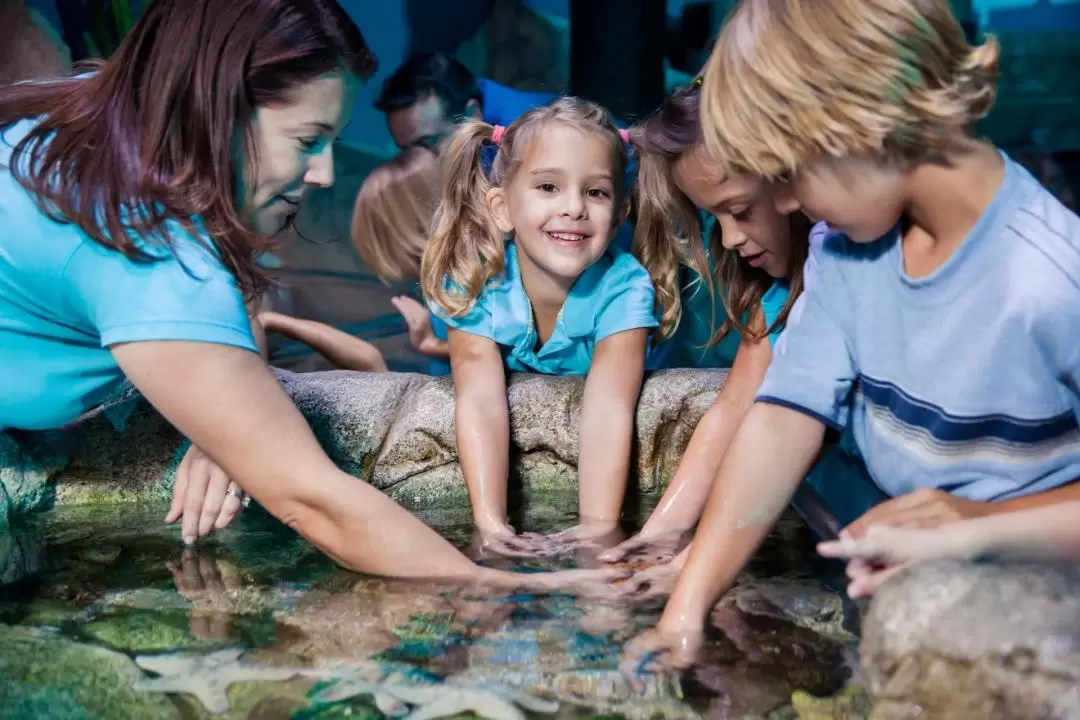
482 426
771 453
607 426
340 348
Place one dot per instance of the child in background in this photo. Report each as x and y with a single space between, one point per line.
390 228
522 268
758 253
940 310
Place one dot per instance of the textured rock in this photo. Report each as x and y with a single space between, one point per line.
963 640
393 430
49 676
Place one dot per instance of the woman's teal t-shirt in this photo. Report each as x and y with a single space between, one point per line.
64 300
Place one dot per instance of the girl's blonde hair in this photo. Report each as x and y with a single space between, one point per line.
466 250
666 217
393 214
791 81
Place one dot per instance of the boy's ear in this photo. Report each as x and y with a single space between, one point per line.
496 205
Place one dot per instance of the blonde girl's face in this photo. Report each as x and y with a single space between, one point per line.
560 203
746 208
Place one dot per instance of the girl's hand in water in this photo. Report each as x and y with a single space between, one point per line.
418 320
646 548
203 496
504 541
658 650
654 581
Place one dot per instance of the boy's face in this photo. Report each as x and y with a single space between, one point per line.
861 198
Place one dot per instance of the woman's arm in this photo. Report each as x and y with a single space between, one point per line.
226 401
340 348
482 420
607 427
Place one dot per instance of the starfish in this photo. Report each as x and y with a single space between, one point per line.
438 700
207 677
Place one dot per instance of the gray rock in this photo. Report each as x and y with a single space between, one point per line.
393 430
966 640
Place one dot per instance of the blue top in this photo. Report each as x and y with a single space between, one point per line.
701 311
612 295
965 380
64 300
502 105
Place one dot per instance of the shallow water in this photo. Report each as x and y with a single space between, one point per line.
82 580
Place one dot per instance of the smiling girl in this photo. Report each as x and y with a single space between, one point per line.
522 267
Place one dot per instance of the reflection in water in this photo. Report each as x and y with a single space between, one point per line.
123 582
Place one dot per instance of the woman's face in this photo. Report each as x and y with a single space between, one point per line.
746 209
294 150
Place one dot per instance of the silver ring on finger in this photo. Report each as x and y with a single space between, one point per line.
240 495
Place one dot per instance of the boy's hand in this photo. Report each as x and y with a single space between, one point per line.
925 508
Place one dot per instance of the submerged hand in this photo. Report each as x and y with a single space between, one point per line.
655 581
926 508
203 495
646 548
201 578
505 542
658 650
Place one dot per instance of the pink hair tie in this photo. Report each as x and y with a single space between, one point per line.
497 132
624 135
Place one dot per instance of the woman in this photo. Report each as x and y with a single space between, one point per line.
133 201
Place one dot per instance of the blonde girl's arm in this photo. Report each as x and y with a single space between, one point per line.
482 420
607 427
345 351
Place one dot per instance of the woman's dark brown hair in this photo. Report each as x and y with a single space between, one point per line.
151 135
664 211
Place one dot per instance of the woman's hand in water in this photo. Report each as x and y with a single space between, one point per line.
201 496
658 650
421 333
202 579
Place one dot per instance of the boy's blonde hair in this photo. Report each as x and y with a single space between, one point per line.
791 81
466 250
666 217
393 214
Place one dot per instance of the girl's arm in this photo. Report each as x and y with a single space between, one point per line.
607 427
482 419
340 348
682 503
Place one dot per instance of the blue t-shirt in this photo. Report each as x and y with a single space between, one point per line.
966 380
64 300
613 295
503 105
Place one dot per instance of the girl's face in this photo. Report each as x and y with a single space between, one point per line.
751 222
560 203
294 150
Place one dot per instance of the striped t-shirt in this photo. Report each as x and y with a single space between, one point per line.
966 380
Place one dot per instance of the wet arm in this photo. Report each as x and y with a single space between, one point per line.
227 402
681 505
607 426
482 420
770 454
340 348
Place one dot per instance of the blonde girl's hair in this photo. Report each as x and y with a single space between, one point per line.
791 81
466 249
667 218
393 213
